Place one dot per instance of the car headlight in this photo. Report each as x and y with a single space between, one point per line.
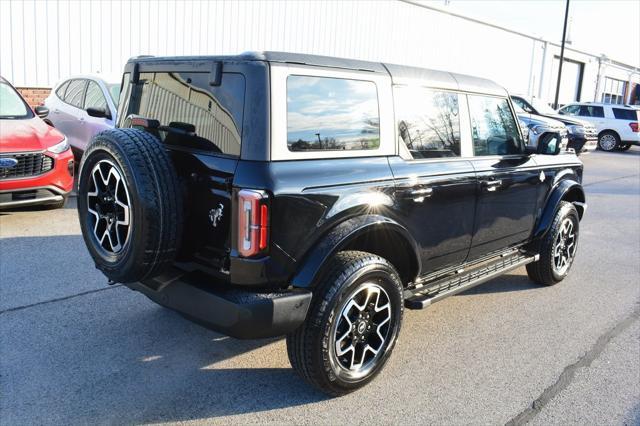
59 147
576 129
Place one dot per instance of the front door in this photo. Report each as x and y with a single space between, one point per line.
435 186
508 179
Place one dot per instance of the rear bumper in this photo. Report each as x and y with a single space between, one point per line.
237 313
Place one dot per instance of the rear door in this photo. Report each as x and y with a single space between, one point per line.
508 179
202 112
435 184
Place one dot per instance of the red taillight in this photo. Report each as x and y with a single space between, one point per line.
253 222
634 127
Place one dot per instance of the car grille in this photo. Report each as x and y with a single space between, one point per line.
590 132
29 164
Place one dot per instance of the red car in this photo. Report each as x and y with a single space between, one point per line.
36 163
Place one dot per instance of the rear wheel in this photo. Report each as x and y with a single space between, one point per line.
608 141
352 325
557 248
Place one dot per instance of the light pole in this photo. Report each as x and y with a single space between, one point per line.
564 36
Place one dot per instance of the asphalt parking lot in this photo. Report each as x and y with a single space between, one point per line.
74 350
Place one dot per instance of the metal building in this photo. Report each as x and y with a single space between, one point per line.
43 41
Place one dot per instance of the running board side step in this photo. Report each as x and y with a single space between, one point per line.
462 280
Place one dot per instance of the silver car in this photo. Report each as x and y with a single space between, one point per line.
81 107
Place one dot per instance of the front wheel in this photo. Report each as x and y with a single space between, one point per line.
352 325
608 141
557 248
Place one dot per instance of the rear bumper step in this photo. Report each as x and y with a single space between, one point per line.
458 282
236 313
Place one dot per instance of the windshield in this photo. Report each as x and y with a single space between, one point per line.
114 92
11 104
542 107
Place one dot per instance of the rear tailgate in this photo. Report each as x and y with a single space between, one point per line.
196 109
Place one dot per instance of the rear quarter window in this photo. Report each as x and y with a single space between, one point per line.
625 114
332 114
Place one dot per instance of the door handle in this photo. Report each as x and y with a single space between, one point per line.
492 185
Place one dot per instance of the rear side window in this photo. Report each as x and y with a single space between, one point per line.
331 114
428 122
625 114
591 111
94 97
62 89
210 117
493 127
75 93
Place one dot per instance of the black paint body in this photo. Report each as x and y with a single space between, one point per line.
425 216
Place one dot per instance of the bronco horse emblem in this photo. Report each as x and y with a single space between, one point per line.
215 215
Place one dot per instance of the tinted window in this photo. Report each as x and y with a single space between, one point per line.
494 129
331 114
428 122
591 111
62 89
625 114
94 97
75 92
210 115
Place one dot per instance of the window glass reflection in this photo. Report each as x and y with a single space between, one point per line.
331 114
428 122
494 129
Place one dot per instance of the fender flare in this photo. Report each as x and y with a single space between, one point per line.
339 237
565 190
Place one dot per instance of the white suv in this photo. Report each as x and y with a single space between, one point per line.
617 125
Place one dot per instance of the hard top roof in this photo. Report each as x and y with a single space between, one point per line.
400 74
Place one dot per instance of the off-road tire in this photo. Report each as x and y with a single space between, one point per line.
156 204
543 271
605 147
309 346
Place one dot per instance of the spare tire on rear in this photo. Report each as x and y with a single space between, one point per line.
129 205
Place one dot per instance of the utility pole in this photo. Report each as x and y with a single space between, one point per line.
564 37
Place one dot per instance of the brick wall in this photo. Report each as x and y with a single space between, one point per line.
34 95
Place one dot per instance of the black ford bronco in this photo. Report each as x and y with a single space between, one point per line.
270 194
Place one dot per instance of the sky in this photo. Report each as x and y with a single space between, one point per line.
610 27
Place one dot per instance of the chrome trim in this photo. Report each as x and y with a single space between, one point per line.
34 201
35 188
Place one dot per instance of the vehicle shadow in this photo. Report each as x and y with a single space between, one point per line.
109 355
503 284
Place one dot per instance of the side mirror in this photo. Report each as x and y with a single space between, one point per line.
549 145
98 112
41 111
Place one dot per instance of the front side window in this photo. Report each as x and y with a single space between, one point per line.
62 89
94 97
522 104
571 110
428 122
493 127
331 114
205 117
11 104
75 93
